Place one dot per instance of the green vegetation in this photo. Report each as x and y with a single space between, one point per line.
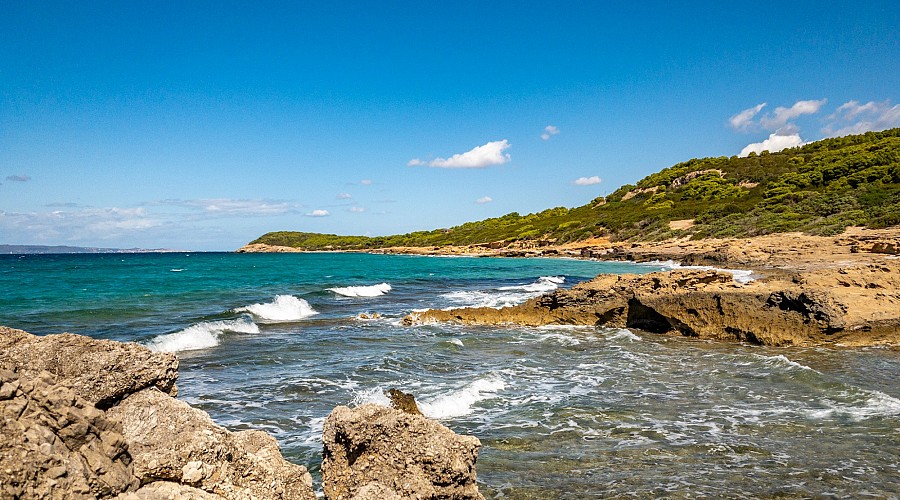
820 188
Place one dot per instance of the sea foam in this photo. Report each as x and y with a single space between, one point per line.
363 291
461 401
504 296
201 336
742 276
283 308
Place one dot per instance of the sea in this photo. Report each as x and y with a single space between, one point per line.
276 341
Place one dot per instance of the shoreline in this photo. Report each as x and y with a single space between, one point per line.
766 255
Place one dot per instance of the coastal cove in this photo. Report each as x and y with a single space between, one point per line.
561 411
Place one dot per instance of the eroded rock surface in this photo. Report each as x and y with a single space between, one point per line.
54 444
853 306
378 452
100 371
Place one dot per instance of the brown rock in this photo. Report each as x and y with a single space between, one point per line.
403 401
54 444
853 306
170 441
100 371
378 452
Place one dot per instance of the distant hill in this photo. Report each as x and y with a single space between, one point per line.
820 188
43 249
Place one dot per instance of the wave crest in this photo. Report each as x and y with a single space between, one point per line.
201 336
283 308
362 291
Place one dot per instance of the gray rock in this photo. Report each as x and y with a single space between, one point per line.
378 452
100 371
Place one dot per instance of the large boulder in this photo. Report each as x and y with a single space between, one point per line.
54 444
100 371
171 441
375 452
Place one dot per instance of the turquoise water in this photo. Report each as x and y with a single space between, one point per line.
274 342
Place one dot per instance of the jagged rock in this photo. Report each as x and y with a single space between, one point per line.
377 452
170 441
54 444
403 401
853 306
100 371
164 490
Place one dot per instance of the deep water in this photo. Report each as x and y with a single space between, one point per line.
275 341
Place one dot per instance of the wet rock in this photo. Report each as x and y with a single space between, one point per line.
857 305
403 401
100 371
171 441
54 444
378 452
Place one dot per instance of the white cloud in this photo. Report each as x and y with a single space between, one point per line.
744 119
18 178
483 200
587 181
318 213
549 131
366 182
227 207
783 115
773 144
855 118
478 157
81 224
344 196
357 210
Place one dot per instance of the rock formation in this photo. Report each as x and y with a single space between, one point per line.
373 452
852 306
57 440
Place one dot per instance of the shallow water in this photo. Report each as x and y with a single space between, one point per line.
563 412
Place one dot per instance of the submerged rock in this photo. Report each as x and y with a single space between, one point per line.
375 452
853 306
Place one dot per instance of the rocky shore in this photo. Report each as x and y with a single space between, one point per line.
852 306
86 418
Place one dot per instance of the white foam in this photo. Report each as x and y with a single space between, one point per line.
742 276
283 308
782 360
623 334
372 395
544 284
201 336
176 270
504 296
456 342
877 404
363 291
461 401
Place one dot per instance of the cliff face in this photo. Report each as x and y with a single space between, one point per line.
850 306
85 418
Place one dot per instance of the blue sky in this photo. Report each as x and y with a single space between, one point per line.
202 125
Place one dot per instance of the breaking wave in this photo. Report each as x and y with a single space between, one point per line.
201 336
363 291
283 308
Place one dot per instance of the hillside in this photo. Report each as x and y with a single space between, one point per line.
820 188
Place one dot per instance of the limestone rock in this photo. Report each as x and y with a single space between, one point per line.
100 371
853 306
54 444
403 401
377 452
171 441
164 490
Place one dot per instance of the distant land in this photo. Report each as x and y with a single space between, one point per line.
820 188
44 249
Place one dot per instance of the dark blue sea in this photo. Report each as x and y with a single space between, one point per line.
275 341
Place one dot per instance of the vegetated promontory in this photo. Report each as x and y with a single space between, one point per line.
819 189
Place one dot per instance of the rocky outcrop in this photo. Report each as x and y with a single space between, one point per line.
170 441
55 444
100 371
852 306
56 440
374 452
